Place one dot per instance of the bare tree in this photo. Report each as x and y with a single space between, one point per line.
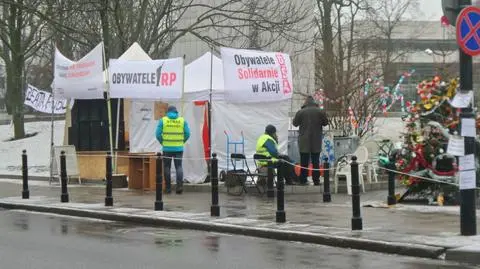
384 17
21 34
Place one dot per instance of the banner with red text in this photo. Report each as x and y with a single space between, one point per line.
82 79
154 79
256 76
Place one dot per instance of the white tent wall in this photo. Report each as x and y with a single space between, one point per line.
142 137
251 119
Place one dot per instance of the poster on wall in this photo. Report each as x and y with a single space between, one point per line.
256 76
82 79
42 101
153 79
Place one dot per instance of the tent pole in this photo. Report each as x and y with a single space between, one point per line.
210 114
51 138
117 133
109 109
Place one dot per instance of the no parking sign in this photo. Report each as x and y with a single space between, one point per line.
468 30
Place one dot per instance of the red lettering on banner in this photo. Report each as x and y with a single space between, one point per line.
167 79
287 88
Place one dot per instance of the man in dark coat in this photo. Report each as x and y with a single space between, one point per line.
310 120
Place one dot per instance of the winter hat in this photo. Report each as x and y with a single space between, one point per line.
172 109
270 129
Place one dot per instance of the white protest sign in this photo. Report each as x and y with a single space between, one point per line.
456 146
462 99
42 101
153 79
82 79
466 162
467 179
256 76
468 128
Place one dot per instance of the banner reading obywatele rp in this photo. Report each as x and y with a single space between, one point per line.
256 76
155 79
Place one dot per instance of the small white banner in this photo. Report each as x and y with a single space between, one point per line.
82 79
42 101
256 76
153 80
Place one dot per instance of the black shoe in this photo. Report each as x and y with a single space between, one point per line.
180 191
316 183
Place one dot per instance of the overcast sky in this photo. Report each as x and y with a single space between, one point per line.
431 9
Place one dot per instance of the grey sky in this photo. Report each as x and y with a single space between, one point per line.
431 9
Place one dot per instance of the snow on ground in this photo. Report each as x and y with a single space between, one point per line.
38 148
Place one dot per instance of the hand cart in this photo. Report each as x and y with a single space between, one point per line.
238 147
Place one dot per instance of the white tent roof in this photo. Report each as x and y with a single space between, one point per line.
197 74
134 53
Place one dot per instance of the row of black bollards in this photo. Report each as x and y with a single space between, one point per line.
215 208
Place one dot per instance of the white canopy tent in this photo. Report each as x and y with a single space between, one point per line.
201 76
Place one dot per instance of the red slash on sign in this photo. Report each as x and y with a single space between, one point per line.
468 30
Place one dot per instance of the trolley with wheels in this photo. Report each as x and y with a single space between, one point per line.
229 174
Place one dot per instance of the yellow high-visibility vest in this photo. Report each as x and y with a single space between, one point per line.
173 134
260 149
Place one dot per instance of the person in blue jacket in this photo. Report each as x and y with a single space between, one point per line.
172 133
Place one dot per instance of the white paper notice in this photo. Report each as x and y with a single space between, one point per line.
466 162
468 180
461 99
456 146
468 128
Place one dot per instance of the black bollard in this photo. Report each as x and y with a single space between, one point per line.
25 191
270 190
391 199
159 183
108 195
215 208
357 218
63 177
327 197
280 214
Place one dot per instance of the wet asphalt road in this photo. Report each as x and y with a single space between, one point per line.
34 240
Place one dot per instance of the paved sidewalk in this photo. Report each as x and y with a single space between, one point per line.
409 230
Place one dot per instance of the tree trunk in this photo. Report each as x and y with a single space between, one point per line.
16 66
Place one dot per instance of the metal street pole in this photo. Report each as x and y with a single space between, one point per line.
468 218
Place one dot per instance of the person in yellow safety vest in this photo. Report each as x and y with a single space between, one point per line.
172 133
267 145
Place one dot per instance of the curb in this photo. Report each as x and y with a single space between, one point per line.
415 250
466 254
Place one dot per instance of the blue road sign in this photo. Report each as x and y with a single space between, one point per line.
468 30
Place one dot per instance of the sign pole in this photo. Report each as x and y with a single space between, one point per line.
468 218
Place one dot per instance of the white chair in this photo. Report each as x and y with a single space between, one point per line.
371 165
343 169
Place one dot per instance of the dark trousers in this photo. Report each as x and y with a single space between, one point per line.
167 164
288 171
305 161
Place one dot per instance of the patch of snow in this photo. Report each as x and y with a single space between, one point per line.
38 148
